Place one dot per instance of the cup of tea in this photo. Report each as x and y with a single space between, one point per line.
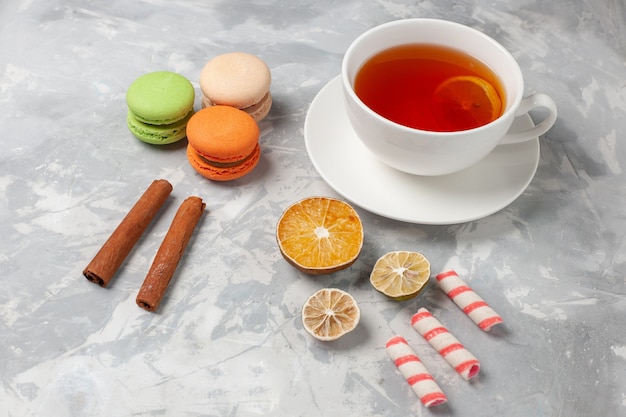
433 97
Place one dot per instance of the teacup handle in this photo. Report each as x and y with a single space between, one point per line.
527 104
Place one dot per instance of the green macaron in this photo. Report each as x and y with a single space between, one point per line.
159 106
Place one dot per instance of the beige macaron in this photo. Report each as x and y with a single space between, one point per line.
239 80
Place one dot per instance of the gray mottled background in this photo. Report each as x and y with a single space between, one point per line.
228 339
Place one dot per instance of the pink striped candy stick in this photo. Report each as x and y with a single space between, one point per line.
467 300
415 372
445 343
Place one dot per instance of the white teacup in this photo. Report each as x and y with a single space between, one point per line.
431 153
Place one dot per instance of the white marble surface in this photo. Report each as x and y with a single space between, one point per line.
228 340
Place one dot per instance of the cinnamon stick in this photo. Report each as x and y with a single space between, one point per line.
169 254
111 255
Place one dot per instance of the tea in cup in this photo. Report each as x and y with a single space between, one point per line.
433 97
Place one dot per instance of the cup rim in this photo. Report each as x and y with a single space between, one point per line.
349 89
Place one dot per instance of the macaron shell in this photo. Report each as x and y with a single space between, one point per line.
160 98
223 134
158 134
215 173
258 111
235 79
261 109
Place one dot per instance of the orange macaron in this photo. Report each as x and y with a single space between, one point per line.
223 143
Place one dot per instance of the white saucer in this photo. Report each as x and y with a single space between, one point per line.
355 173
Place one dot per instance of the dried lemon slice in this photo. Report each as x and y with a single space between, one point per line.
320 235
400 275
330 313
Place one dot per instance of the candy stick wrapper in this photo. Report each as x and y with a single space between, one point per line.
445 343
468 301
415 372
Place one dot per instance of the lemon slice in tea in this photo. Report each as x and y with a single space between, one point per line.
401 274
320 235
330 313
468 100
